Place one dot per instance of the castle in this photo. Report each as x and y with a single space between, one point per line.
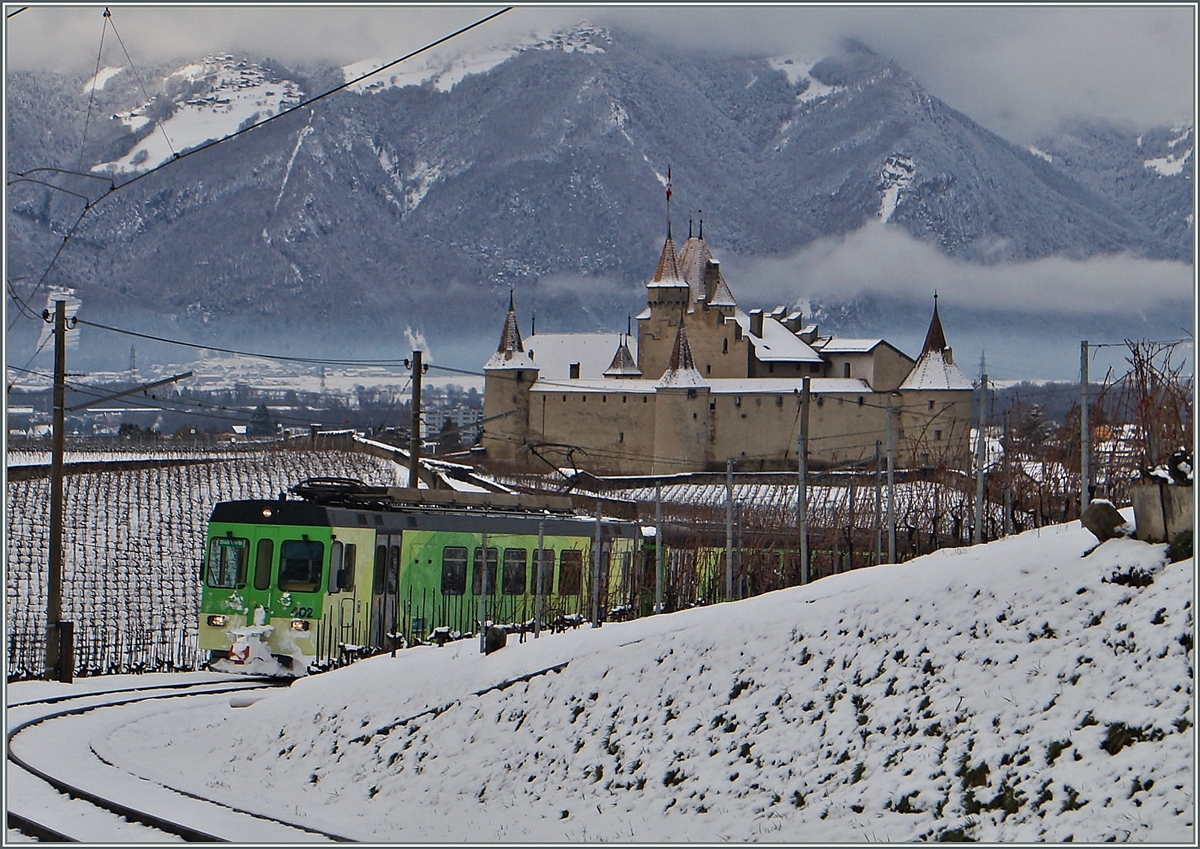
705 381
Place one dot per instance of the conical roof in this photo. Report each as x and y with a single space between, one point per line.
668 263
510 337
692 261
510 353
935 368
935 338
623 363
682 370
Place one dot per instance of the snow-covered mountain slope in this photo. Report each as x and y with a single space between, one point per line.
208 100
534 167
1032 689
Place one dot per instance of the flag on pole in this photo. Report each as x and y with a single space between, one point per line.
668 184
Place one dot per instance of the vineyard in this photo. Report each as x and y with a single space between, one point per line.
132 544
135 520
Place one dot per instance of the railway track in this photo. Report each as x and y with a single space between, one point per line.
60 789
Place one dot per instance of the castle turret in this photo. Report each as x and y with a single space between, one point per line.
683 418
508 376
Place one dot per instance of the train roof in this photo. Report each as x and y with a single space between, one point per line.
397 509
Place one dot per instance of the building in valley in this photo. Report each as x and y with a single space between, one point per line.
702 381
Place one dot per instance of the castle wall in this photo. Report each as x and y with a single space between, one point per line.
506 390
613 431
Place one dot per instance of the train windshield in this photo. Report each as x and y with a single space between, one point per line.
300 565
227 563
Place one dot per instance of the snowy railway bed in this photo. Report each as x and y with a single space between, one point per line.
63 784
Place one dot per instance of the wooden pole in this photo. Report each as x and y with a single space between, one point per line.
891 485
1085 448
55 659
980 454
414 443
802 482
596 570
658 549
537 616
728 528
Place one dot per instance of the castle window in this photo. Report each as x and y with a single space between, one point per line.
712 405
520 375
564 399
860 400
691 393
707 369
778 400
937 436
724 346
623 399
603 399
931 405
621 436
845 369
583 399
574 371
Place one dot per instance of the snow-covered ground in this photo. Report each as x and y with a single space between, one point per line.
1032 689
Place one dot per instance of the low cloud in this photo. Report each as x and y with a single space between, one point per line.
884 260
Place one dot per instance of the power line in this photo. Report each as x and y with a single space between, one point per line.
176 157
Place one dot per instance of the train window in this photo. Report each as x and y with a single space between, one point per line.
547 570
227 562
262 564
512 579
492 556
300 565
346 581
380 563
570 572
335 564
454 570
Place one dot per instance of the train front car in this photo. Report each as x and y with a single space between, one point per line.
276 574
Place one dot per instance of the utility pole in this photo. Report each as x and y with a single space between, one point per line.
891 484
481 563
1008 493
658 549
414 443
1085 448
850 525
802 480
878 505
60 649
980 451
537 621
596 569
729 529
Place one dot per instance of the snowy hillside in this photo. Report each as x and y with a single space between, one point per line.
211 99
1026 690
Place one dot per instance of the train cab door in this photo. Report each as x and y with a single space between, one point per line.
385 589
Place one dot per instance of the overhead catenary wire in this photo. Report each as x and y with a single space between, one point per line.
176 156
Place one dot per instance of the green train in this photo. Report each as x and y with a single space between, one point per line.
347 570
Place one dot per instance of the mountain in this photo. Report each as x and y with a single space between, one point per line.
419 199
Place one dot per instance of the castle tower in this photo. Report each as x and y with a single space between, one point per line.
935 413
682 416
508 376
668 298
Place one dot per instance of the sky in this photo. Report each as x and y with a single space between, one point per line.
870 707
1019 70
